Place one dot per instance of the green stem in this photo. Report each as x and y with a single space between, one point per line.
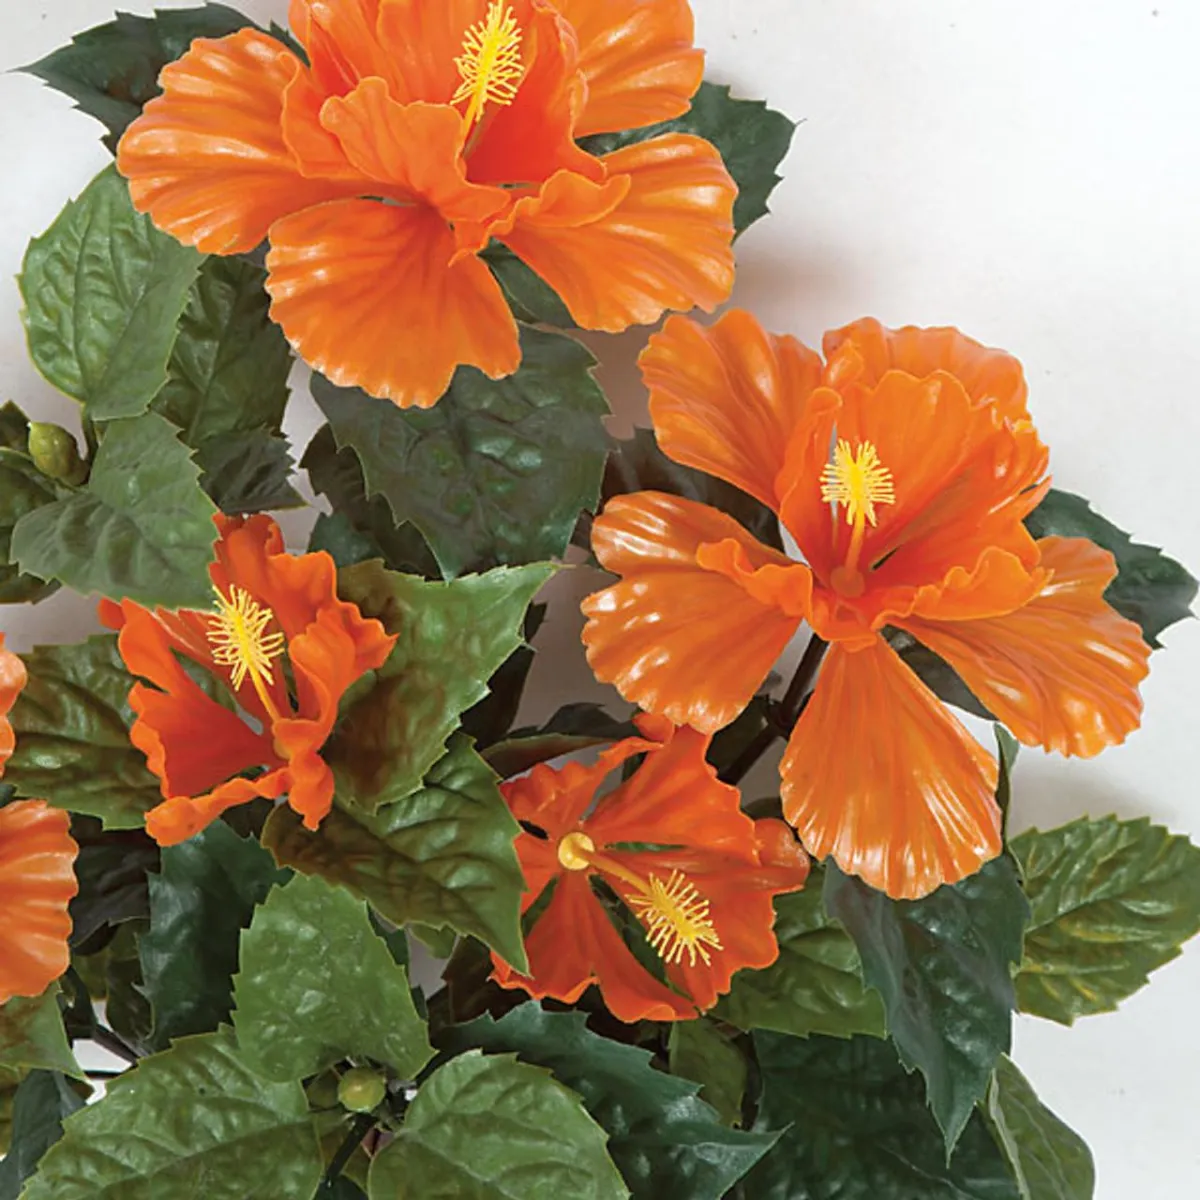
361 1126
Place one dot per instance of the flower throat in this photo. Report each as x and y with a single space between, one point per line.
859 481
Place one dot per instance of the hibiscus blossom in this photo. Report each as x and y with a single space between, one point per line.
903 466
285 648
673 847
418 132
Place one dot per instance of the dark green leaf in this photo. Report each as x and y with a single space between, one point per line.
103 290
489 720
125 1006
199 905
669 1144
1007 748
944 968
141 529
72 728
10 1080
531 298
42 1101
14 427
574 727
1112 901
318 985
32 1035
752 139
816 983
192 1123
1150 588
248 472
497 472
859 1129
699 1051
23 488
111 869
444 856
937 674
1049 1160
111 71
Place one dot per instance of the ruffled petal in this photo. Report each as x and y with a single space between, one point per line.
1063 671
882 778
343 44
207 159
726 398
367 295
675 638
12 680
182 817
667 243
638 59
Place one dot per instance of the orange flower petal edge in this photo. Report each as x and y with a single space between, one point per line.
12 680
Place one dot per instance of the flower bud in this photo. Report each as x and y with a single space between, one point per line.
362 1090
55 453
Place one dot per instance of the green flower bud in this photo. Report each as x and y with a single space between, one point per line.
55 453
362 1090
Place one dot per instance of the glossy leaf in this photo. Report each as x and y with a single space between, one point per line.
248 472
111 869
141 529
1112 901
192 1123
32 1035
199 904
856 1128
23 488
943 966
498 471
442 857
1049 1160
668 1144
42 1101
699 1051
495 1129
103 291
318 985
72 727
573 728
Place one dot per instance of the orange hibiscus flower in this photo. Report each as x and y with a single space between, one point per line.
37 871
284 646
673 846
914 519
418 132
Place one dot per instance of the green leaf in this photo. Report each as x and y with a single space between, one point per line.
10 1080
1049 1160
192 1123
531 298
42 1101
1112 901
14 427
498 471
111 869
318 985
699 1051
496 1129
668 1144
573 728
103 290
111 71
452 638
937 674
1007 749
493 717
141 529
860 1131
944 968
23 489
442 857
72 731
248 472
199 905
752 138
1150 588
125 1004
32 1035
816 983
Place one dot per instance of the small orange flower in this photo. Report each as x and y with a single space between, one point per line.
418 132
903 466
284 646
673 846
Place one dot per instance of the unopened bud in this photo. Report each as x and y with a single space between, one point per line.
362 1090
55 453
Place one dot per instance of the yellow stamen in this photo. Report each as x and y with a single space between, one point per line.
677 919
858 480
239 638
490 64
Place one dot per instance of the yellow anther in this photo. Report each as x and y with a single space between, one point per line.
677 920
239 638
858 480
575 851
490 65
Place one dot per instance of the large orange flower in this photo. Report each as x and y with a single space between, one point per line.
37 871
419 132
903 466
284 646
672 844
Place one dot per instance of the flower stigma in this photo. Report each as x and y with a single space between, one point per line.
677 920
239 638
490 65
575 851
859 481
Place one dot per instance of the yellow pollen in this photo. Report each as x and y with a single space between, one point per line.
490 64
677 920
575 850
239 638
858 480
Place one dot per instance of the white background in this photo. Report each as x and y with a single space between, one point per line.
1026 169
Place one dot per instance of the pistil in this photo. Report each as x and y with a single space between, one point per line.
490 65
856 479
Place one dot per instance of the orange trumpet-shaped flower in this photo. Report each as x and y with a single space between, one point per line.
283 645
903 466
415 134
671 844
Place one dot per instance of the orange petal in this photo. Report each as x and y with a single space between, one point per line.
207 159
666 245
1061 672
12 680
638 59
182 817
882 778
366 294
865 351
687 643
37 883
342 41
726 398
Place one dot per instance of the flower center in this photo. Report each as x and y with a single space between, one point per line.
490 65
239 638
575 851
859 481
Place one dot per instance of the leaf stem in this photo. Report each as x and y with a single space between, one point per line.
361 1126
